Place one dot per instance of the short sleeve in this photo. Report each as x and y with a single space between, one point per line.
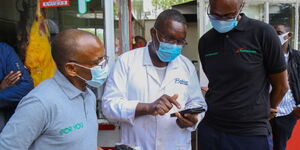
273 55
27 124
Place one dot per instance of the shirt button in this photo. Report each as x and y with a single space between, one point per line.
227 36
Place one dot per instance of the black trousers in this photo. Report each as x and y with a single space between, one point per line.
212 139
282 128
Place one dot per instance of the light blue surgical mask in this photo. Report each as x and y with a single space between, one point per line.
168 52
98 73
223 26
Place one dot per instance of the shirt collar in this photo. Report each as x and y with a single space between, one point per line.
243 23
147 59
148 62
68 88
290 50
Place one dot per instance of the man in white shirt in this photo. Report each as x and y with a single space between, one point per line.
289 108
149 84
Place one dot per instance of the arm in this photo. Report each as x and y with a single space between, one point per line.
115 105
25 126
195 99
279 88
23 86
275 66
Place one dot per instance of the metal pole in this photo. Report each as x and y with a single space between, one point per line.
200 17
201 30
296 25
109 31
266 16
124 14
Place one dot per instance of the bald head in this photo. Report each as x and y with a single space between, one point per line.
227 2
72 44
226 8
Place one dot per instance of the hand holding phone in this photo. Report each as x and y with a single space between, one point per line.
190 111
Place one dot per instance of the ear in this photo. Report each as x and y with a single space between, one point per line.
290 35
153 34
70 69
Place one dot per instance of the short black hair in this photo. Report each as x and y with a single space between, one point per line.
287 27
167 15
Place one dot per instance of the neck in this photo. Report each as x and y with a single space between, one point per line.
78 83
154 58
286 48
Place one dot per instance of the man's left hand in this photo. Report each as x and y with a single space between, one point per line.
188 120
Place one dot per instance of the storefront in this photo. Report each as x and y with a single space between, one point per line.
95 16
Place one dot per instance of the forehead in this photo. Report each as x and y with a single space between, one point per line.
280 28
225 6
172 27
89 50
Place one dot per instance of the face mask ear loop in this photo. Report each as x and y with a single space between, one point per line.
154 45
79 75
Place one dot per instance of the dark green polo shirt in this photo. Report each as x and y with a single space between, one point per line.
237 65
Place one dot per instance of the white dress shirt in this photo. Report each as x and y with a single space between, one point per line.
135 80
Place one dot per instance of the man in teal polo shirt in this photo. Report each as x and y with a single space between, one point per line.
60 113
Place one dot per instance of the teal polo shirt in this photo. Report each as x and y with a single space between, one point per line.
53 116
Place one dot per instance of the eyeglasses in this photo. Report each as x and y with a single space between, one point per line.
171 41
102 62
223 17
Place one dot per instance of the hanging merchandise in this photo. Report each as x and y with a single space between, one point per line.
38 57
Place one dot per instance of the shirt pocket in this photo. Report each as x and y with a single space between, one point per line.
178 86
212 63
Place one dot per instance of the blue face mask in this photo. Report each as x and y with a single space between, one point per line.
168 52
223 26
99 75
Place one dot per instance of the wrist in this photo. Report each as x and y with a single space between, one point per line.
143 109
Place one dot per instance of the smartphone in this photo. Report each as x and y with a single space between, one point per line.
190 111
18 68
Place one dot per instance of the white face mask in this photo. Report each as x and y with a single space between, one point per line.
98 73
281 38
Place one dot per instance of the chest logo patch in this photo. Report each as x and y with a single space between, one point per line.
180 81
72 128
211 54
242 50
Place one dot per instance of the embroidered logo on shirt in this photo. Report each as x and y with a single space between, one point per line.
242 50
179 81
72 128
212 54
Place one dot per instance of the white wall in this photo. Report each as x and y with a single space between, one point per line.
148 25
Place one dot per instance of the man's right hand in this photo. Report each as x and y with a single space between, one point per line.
10 79
163 105
296 112
159 107
273 113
